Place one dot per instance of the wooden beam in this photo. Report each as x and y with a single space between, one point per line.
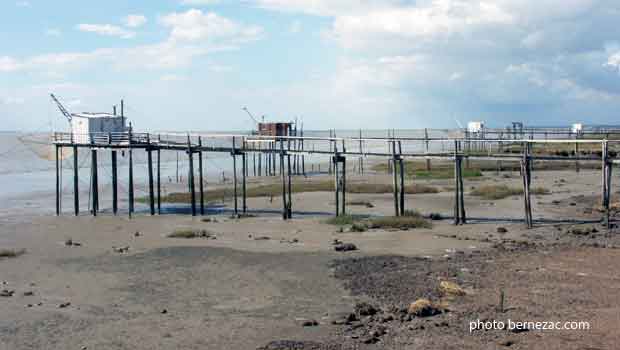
159 181
235 195
149 155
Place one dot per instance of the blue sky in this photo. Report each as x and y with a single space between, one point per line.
193 64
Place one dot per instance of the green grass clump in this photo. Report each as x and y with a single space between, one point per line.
275 190
361 203
11 253
438 170
411 220
359 227
342 220
495 192
188 233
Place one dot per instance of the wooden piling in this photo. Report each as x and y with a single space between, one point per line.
456 184
401 164
244 205
200 178
95 182
57 181
114 182
336 182
130 189
76 186
289 205
190 176
395 179
234 155
284 204
463 216
159 178
149 155
426 142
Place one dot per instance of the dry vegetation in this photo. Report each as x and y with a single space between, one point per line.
411 219
275 190
495 192
187 233
439 170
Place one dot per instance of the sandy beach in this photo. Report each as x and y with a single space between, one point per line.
111 282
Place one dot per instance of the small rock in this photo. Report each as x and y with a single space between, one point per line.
64 305
502 230
303 322
7 293
336 242
137 234
365 309
262 238
164 311
28 293
345 247
121 250
69 242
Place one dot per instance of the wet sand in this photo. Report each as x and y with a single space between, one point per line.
251 284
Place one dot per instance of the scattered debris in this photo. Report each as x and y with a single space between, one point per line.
345 247
289 241
502 230
121 250
137 234
28 293
64 305
262 238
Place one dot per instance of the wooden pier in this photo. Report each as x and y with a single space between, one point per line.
291 151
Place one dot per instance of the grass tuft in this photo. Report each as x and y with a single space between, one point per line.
411 219
188 233
495 192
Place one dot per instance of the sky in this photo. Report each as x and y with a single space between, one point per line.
195 64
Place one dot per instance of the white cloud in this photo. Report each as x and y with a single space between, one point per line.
135 21
53 32
295 27
107 30
9 64
199 2
194 25
13 100
172 77
23 4
614 61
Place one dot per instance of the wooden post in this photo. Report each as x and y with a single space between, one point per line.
95 182
401 164
114 183
244 205
284 204
456 184
428 160
289 205
76 186
361 164
57 181
234 155
331 146
576 153
190 175
200 176
159 178
463 217
343 182
607 208
336 182
149 155
395 179
525 174
130 189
